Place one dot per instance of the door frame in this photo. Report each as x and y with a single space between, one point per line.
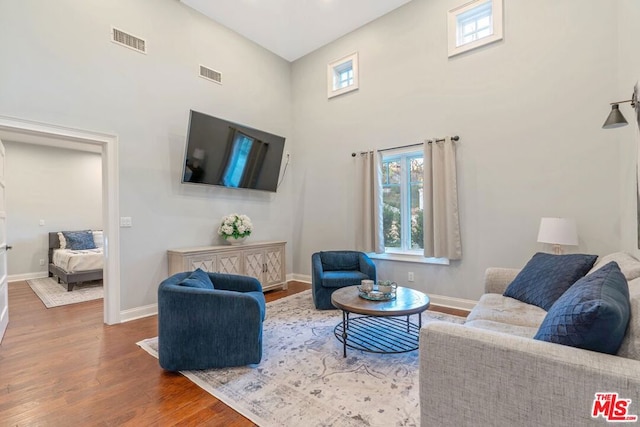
21 130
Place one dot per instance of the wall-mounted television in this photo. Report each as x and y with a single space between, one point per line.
220 152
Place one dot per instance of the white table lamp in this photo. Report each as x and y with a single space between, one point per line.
558 232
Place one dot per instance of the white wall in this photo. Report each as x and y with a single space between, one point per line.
60 67
628 137
528 110
61 187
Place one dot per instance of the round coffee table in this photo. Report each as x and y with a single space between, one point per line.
379 330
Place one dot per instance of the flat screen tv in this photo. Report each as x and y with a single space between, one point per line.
228 154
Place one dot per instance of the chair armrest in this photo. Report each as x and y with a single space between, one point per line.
471 376
316 269
234 282
367 266
202 306
496 279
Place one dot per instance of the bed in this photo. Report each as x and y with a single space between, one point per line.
73 266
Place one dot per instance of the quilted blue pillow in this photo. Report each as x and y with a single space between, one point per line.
546 277
79 240
593 314
197 279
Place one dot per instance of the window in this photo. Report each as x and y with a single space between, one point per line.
474 24
402 202
342 75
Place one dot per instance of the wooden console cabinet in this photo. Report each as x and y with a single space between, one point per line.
263 260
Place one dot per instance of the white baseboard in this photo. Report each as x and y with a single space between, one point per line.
138 313
300 277
290 277
27 276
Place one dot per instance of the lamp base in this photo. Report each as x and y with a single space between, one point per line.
557 249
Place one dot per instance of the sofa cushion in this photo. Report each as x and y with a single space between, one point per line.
630 347
498 308
546 277
505 328
593 314
197 279
340 261
340 279
629 265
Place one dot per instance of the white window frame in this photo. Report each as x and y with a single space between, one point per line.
336 68
404 156
398 254
456 48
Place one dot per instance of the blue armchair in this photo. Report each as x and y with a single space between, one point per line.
210 328
332 270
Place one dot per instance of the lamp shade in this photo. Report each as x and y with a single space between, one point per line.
615 119
558 231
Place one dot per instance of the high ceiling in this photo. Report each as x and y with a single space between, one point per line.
293 28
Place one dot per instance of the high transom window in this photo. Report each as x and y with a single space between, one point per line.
474 24
342 75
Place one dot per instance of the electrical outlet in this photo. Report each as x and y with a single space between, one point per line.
42 262
411 278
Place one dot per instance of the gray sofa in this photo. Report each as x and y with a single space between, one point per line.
490 371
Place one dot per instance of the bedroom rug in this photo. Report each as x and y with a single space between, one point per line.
53 294
304 380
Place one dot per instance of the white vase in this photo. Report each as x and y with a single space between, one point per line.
236 240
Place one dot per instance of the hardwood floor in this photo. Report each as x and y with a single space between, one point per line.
63 367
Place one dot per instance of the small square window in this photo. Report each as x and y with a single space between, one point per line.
474 24
342 75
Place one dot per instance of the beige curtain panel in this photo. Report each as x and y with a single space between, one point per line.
369 234
441 221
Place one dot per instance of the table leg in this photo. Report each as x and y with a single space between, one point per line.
345 322
408 323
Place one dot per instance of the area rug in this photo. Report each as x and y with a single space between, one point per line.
54 294
304 380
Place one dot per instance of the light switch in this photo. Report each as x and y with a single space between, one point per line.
125 221
41 222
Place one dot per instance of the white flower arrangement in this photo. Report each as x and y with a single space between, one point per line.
236 226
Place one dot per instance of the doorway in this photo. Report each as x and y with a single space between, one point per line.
20 130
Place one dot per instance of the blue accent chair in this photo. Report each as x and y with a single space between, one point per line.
210 328
333 270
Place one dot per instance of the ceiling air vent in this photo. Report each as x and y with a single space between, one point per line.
209 74
128 40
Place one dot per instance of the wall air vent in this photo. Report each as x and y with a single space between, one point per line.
209 74
127 40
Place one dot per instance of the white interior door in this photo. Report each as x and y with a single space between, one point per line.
4 294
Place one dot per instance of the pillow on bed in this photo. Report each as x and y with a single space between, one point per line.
79 240
98 238
63 241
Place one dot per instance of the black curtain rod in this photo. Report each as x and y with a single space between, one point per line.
428 141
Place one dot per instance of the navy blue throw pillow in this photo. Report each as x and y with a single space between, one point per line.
197 279
79 240
546 277
593 314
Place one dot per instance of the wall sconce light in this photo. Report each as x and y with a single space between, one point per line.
616 119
